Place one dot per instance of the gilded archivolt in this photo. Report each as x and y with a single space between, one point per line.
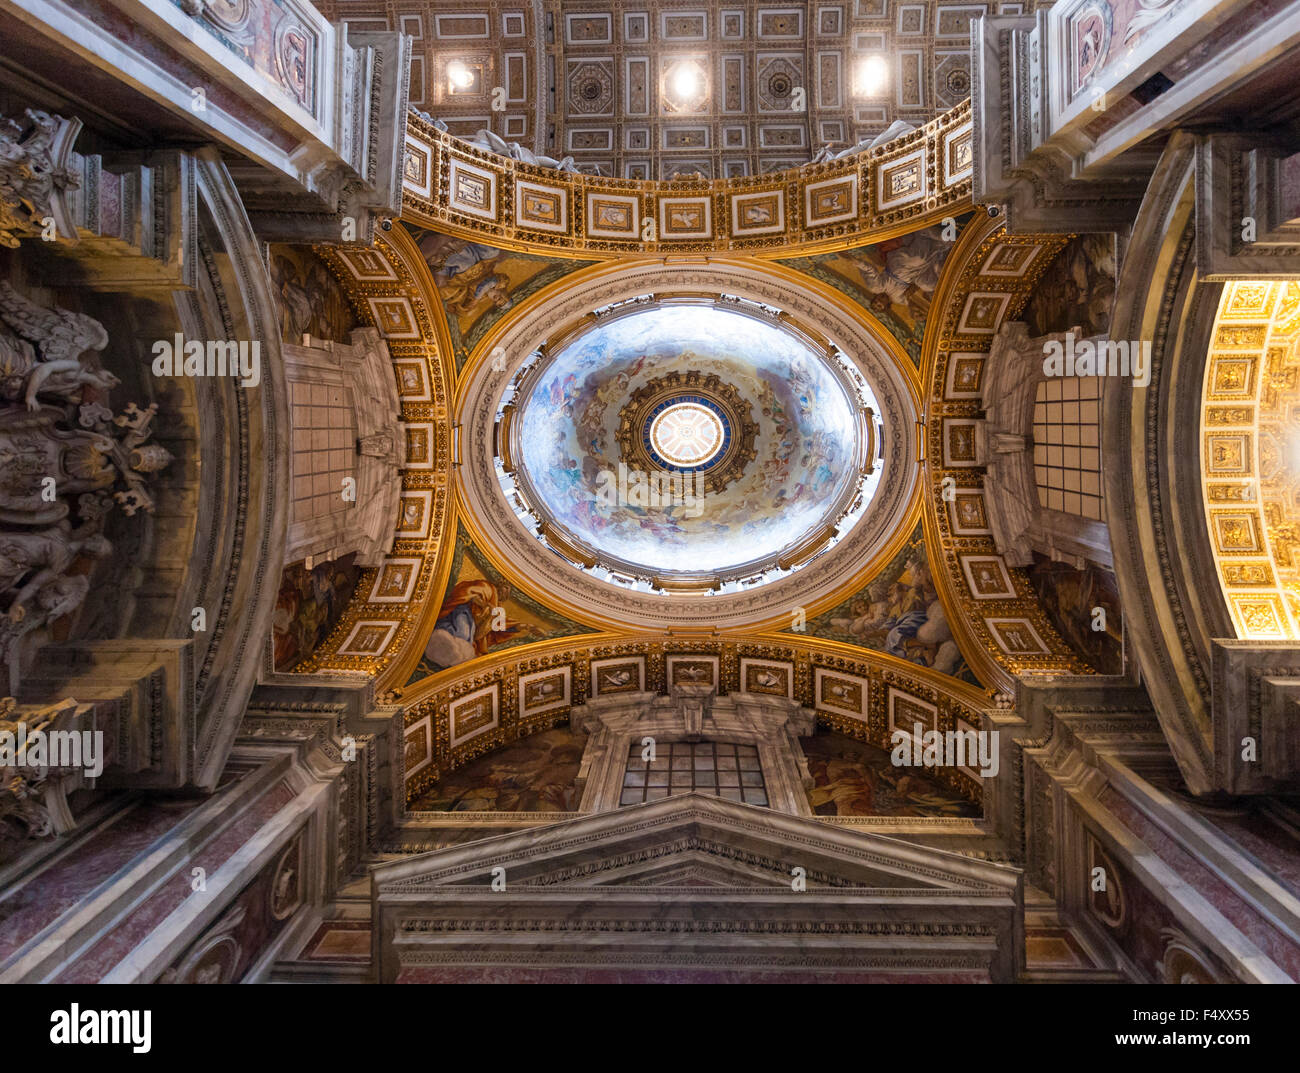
1250 421
520 692
921 177
987 281
390 603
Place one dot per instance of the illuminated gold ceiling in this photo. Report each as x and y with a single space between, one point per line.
1250 431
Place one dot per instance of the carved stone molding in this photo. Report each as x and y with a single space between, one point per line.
362 373
1004 442
1256 711
693 881
915 179
1245 225
1063 134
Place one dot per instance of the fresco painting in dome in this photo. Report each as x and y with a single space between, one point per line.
898 612
805 445
1077 289
481 613
894 280
538 773
1070 597
478 283
309 606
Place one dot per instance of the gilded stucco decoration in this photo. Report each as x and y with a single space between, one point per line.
1250 418
987 279
1000 624
459 189
867 696
388 288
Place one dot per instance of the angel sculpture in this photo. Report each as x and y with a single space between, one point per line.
486 139
895 129
61 336
46 555
437 124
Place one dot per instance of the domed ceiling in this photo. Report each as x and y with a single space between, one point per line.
704 437
656 444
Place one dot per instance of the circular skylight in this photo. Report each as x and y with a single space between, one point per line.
686 434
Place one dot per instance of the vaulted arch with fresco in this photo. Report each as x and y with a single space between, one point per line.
654 489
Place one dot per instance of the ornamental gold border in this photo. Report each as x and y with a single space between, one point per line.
432 698
961 278
939 192
1246 373
408 284
594 273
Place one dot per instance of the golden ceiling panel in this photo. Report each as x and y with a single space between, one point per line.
1250 424
916 179
994 611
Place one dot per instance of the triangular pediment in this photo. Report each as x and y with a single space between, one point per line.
754 846
697 881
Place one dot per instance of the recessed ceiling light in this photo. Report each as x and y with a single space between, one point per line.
873 76
460 76
685 82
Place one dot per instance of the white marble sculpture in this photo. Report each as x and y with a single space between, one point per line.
896 129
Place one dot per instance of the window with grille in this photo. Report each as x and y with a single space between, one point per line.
1067 456
324 448
682 767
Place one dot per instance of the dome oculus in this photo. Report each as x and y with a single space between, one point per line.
685 434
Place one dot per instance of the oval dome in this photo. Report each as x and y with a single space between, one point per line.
703 437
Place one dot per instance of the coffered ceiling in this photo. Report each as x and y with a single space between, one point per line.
651 90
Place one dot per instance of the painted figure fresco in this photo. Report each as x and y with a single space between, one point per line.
855 778
464 628
1068 596
804 420
481 613
478 283
899 612
534 774
1077 289
309 606
1097 29
311 300
894 280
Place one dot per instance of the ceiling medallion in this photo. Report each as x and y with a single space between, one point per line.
688 422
